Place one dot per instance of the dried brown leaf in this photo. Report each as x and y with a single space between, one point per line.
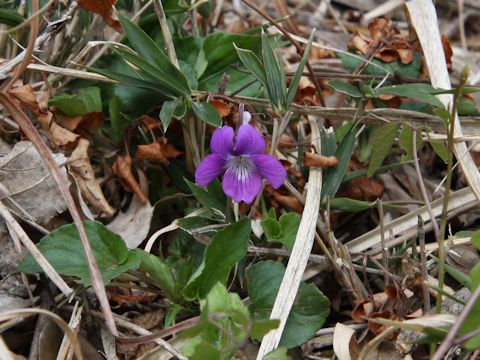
317 160
104 8
82 171
123 169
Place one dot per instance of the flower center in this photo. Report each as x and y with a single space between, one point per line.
241 166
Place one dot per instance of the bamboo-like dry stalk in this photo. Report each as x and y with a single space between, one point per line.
299 256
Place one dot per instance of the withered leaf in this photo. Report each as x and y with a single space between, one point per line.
317 160
222 107
123 169
82 171
27 97
156 152
104 8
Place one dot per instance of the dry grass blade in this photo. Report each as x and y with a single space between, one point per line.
32 133
30 47
299 256
457 199
5 353
12 314
341 341
423 18
65 348
39 258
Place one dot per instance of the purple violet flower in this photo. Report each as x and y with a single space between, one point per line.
240 158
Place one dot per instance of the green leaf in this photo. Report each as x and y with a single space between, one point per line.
405 140
207 113
64 251
411 70
170 82
462 278
345 87
225 249
382 139
475 276
10 17
160 273
205 350
282 231
252 63
333 176
262 327
476 240
167 111
118 121
439 148
153 55
351 205
292 90
87 100
278 354
470 324
212 198
422 92
136 82
308 313
219 52
359 173
275 76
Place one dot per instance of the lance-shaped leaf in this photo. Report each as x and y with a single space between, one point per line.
275 76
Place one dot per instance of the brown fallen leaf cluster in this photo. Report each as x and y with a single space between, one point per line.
385 42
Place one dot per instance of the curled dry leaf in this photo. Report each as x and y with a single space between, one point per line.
104 8
157 152
222 107
27 97
317 160
123 169
385 42
149 123
82 171
87 122
288 201
447 49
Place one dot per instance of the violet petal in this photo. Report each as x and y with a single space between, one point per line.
245 189
249 141
209 169
271 169
222 141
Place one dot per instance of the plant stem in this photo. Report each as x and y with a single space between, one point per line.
448 185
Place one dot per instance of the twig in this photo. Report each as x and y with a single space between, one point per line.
423 189
299 257
28 243
423 261
166 32
382 239
28 51
34 136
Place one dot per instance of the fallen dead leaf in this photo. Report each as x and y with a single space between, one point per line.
123 169
134 224
87 122
222 107
104 8
316 160
82 171
385 42
157 151
288 201
27 183
27 97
